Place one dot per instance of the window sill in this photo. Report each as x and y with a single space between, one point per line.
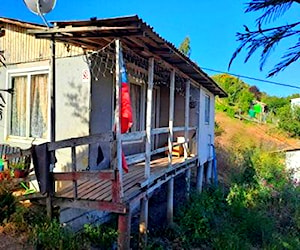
25 140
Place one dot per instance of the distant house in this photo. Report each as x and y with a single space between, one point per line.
295 102
172 103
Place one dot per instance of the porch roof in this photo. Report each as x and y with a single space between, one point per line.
136 35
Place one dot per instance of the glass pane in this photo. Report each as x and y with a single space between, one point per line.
135 96
39 106
18 111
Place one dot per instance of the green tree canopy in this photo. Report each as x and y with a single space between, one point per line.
185 47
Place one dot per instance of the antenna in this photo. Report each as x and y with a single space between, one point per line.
40 7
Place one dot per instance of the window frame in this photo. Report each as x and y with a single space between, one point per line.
28 72
207 108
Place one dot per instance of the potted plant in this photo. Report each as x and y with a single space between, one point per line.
19 170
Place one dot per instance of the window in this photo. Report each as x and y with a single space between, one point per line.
136 96
29 105
207 109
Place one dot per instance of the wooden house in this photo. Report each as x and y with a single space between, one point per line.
172 102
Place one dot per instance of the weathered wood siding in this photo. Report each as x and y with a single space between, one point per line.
20 47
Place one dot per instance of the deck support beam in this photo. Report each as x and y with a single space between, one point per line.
171 116
199 180
148 117
124 229
188 183
170 201
209 178
143 228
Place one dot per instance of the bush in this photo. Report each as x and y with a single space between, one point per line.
100 236
53 235
7 203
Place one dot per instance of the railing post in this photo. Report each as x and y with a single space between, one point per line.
74 169
171 116
186 118
148 118
117 116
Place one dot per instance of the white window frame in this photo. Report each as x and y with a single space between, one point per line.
207 108
26 72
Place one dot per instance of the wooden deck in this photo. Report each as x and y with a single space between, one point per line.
134 184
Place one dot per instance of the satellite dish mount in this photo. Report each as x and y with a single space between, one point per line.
40 7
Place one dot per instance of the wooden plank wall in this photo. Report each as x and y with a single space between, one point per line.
20 47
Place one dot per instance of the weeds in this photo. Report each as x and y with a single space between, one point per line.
259 210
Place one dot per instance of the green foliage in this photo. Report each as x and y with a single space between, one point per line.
239 97
260 210
7 203
290 120
51 235
185 47
100 236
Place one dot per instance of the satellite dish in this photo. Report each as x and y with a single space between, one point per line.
40 7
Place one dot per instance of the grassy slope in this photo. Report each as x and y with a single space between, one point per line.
241 134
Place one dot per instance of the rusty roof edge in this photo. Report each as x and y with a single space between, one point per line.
185 58
20 23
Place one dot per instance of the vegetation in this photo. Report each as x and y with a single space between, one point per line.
241 96
258 210
268 38
30 223
185 47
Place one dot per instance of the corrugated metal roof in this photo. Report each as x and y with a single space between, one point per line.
137 35
27 25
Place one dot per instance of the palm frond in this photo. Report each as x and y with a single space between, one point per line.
272 9
292 55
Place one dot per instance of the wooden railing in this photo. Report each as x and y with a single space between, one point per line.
75 175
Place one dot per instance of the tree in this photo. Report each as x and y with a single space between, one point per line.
185 47
268 38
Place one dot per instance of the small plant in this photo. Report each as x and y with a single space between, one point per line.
7 203
100 236
52 235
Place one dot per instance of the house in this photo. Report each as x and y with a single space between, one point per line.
79 81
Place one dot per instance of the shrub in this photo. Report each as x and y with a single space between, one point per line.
7 203
53 235
100 236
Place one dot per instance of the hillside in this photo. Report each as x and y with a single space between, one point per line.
236 135
251 134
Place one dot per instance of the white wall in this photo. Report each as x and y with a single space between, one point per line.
206 136
293 163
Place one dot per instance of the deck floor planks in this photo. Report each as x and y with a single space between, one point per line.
68 189
101 190
95 187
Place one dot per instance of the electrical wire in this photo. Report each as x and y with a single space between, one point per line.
253 78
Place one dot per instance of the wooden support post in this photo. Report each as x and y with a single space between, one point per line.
143 228
124 230
171 116
49 205
170 201
148 118
117 115
199 180
186 118
74 169
188 183
209 173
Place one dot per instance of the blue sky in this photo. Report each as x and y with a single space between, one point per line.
211 26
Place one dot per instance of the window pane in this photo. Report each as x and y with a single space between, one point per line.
18 111
207 108
135 96
39 106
